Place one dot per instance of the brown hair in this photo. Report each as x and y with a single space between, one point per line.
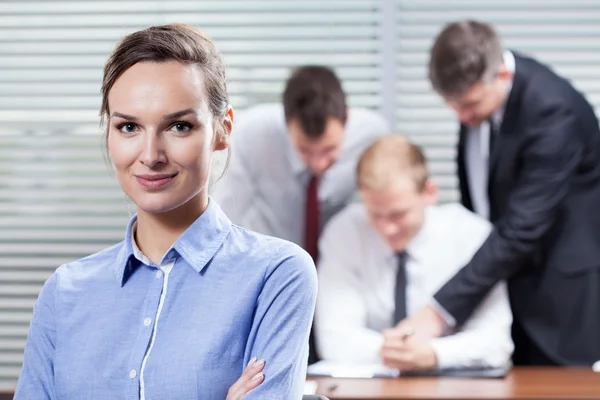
389 157
173 42
312 95
464 53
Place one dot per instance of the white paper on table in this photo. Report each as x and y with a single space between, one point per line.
344 370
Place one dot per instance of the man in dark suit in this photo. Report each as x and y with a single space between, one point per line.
529 160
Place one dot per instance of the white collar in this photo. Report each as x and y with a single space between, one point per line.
417 247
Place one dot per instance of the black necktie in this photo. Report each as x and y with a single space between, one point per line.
400 296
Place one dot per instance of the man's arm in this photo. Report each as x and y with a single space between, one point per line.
550 159
485 339
341 316
37 375
281 325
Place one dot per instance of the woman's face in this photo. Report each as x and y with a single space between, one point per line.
161 134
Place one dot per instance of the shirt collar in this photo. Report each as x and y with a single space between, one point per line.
197 245
417 248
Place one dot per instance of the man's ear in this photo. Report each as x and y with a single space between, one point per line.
430 190
504 73
230 114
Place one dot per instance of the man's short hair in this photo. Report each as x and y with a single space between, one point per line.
312 95
388 158
464 53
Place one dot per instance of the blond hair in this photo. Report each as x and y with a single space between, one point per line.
388 158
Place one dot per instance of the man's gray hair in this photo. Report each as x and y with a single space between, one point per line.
464 53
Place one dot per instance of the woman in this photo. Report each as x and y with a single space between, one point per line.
178 308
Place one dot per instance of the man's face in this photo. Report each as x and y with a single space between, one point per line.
318 154
397 212
481 100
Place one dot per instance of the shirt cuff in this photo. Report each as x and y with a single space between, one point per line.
446 353
448 319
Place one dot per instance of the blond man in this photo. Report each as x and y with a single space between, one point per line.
384 258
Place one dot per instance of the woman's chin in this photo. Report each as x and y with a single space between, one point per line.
157 206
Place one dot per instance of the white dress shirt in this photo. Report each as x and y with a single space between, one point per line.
357 274
265 187
477 153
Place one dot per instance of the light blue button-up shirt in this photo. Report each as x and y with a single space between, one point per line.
100 325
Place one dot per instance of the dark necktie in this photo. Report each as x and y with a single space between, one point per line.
311 222
400 296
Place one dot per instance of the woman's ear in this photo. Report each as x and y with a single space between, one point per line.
224 131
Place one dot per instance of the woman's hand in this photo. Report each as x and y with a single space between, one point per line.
251 378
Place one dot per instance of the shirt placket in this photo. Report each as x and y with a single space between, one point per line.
144 336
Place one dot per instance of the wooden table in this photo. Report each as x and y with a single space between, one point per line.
521 383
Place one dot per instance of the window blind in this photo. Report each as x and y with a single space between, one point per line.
559 33
58 198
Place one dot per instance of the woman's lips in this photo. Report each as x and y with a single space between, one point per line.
155 181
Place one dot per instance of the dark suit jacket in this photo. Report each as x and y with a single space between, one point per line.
544 192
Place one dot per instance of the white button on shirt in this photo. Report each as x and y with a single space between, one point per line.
357 273
265 187
164 270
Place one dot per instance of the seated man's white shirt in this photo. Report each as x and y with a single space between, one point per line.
264 188
357 275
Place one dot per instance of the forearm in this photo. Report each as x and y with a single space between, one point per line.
466 290
280 333
483 348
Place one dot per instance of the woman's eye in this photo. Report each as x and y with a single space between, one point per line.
181 127
127 128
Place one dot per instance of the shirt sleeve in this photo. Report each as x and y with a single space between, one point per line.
342 334
448 319
37 375
485 339
281 326
473 231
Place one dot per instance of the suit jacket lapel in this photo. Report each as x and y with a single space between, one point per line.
507 127
462 169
